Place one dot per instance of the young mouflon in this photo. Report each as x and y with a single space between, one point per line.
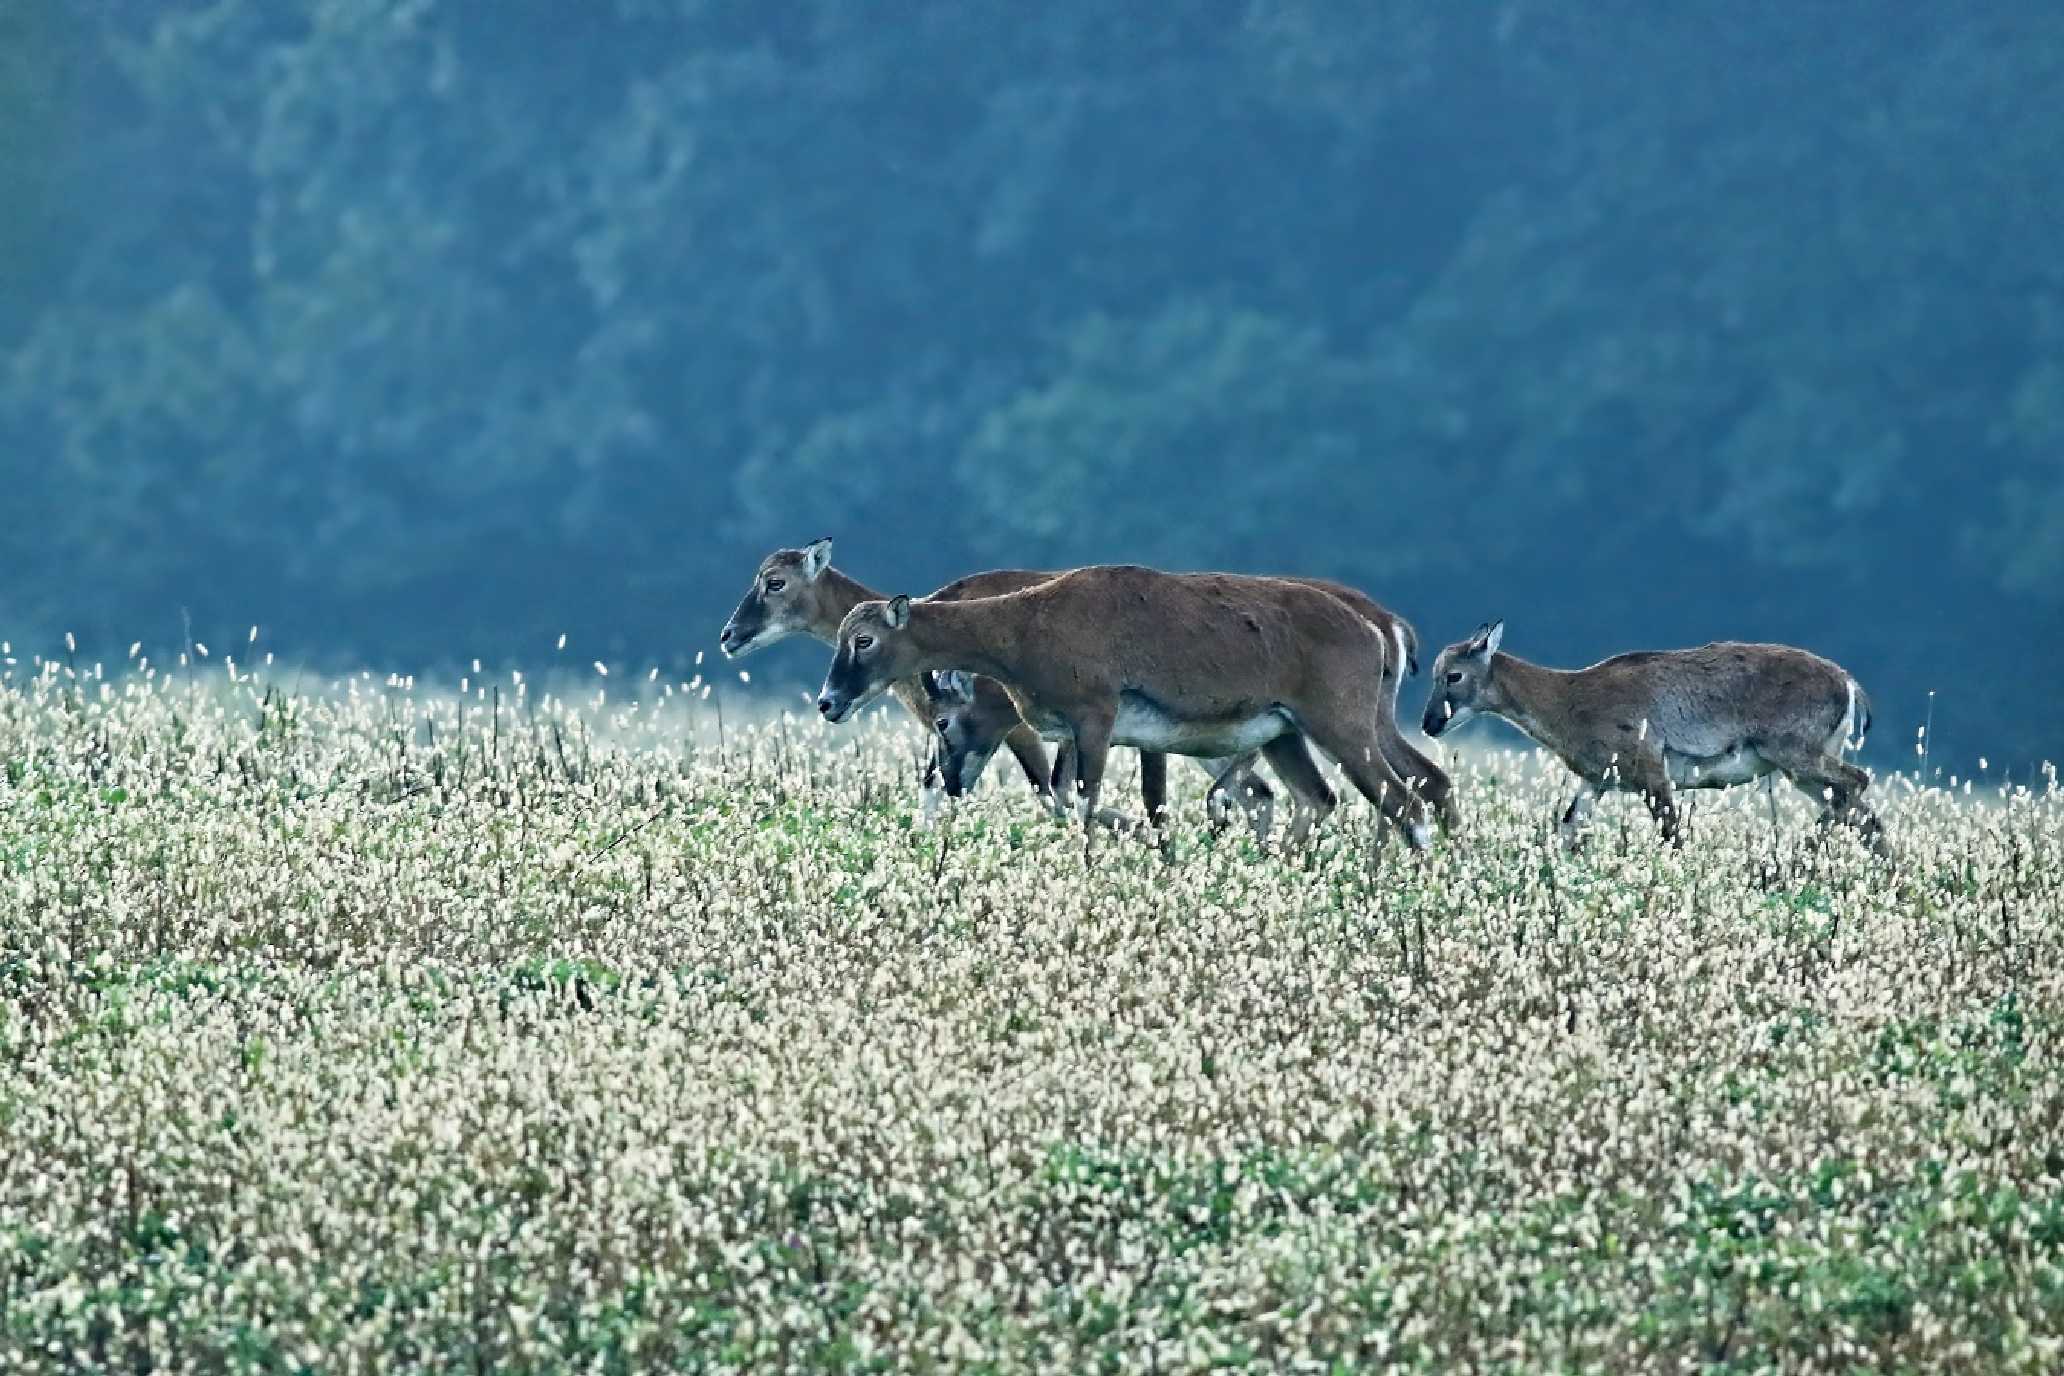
798 592
1654 722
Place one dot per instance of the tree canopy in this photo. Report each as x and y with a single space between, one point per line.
421 330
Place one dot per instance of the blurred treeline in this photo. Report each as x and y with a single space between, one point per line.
424 329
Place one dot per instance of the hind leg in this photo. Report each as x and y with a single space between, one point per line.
1355 744
1839 786
1406 760
1428 779
1234 783
1293 764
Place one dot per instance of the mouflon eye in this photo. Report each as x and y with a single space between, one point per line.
942 723
863 642
1454 678
776 584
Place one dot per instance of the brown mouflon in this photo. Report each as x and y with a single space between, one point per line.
972 728
1658 721
798 592
1181 663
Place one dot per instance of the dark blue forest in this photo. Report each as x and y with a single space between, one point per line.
422 330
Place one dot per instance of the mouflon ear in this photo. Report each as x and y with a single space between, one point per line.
898 614
1486 641
816 558
955 685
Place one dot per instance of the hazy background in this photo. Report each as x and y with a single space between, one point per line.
416 330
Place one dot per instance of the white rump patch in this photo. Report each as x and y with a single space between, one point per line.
1845 734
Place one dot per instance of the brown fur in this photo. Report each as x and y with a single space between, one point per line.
1204 654
814 598
1657 721
975 729
1410 763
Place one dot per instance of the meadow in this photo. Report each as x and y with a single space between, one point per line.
351 1026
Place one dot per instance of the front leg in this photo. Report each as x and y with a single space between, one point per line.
1153 782
1662 805
1570 829
1066 797
1030 751
1091 730
931 790
1647 776
1062 792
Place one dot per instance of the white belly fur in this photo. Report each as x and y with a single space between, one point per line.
1143 726
1738 766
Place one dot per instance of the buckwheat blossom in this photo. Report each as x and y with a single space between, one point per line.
362 1029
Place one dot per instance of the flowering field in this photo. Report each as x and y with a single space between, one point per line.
360 1028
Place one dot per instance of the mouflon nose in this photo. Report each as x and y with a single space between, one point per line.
824 705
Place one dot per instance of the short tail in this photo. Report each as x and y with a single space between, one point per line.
1408 641
1863 713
